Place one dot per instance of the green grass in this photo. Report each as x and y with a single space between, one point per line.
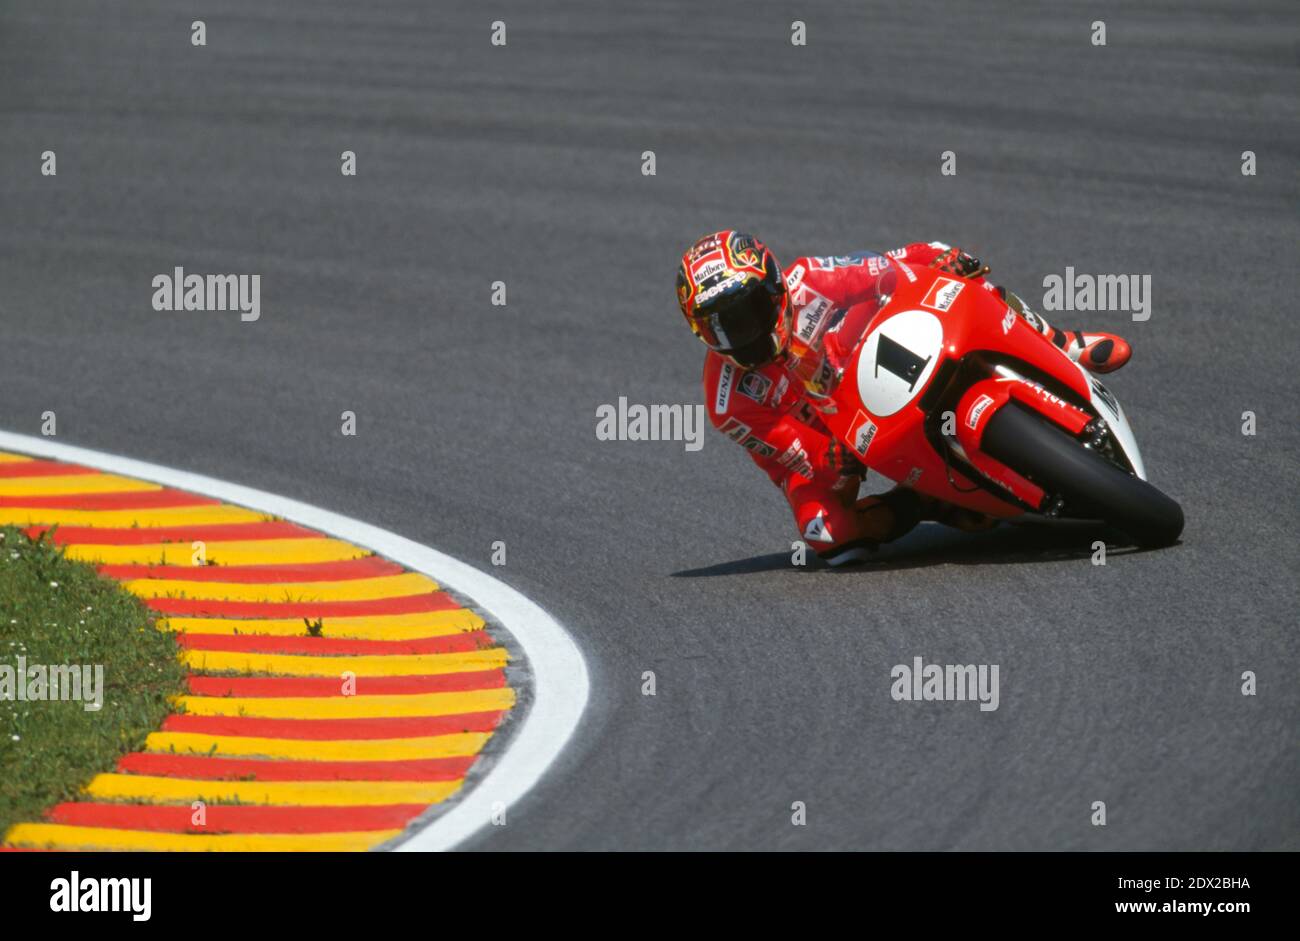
57 611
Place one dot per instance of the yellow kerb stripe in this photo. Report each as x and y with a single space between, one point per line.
159 790
124 519
350 707
225 661
239 552
57 836
456 745
355 589
378 627
71 483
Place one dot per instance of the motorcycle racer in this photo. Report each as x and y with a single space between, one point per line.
773 339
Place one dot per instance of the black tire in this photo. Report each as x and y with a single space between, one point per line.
1091 486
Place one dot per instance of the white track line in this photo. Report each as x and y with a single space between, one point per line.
559 673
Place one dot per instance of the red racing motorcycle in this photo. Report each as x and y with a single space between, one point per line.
943 388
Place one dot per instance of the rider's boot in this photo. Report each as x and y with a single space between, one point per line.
1095 352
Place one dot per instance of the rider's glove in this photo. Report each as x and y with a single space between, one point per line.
843 461
955 261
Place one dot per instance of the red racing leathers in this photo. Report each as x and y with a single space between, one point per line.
770 412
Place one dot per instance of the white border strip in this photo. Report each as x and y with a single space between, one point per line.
559 674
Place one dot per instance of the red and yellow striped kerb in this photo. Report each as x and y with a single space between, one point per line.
283 752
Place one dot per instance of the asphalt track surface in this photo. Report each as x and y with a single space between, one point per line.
476 423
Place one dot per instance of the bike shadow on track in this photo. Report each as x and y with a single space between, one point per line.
932 544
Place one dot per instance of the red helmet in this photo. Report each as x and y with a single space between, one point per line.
733 295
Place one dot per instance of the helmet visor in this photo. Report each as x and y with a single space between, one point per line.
738 320
752 355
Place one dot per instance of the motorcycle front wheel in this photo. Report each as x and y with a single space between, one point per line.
1090 485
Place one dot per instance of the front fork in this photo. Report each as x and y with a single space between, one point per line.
983 399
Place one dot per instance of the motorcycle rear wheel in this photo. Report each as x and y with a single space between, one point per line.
1091 486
